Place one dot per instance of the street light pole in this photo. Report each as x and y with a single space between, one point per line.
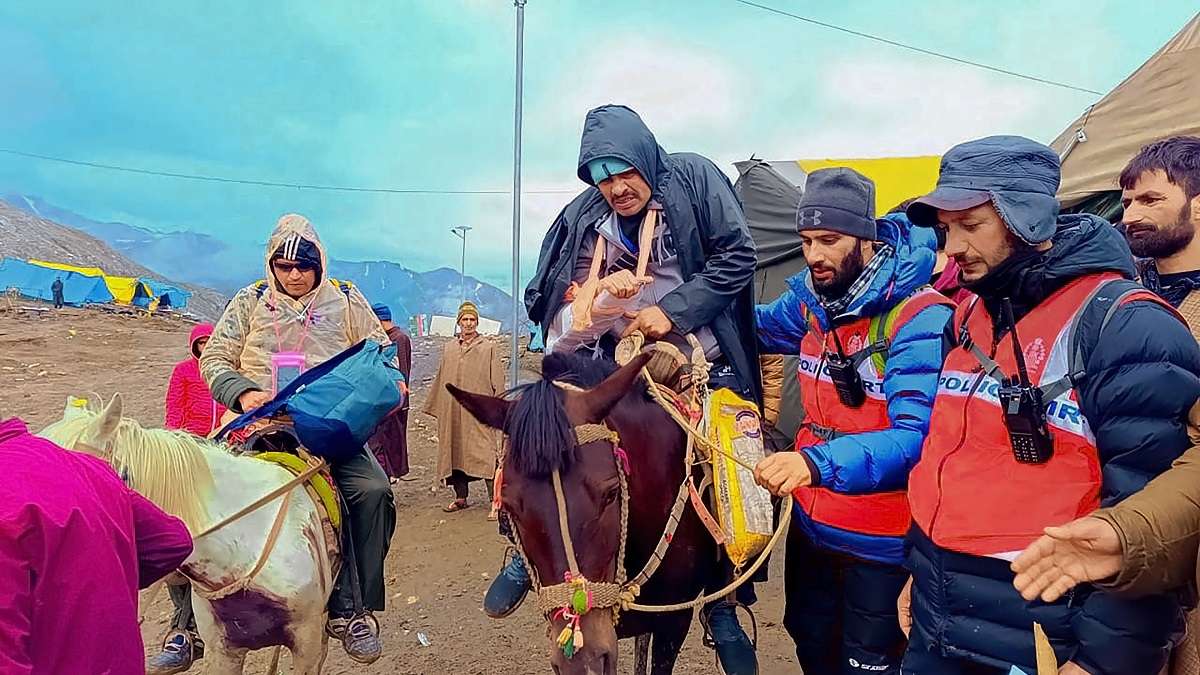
514 371
461 232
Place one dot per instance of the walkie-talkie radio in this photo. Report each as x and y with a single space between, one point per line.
1023 408
843 371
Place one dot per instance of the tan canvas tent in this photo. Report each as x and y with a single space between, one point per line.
1160 99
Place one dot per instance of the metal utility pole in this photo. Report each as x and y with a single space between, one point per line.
514 373
461 232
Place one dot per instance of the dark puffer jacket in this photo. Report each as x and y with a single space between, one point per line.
1143 375
716 252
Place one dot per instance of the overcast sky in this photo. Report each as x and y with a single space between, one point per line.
418 95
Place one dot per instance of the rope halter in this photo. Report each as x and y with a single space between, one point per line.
577 595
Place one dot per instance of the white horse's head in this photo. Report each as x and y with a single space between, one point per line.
169 468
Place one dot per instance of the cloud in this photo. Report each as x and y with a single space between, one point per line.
872 107
681 92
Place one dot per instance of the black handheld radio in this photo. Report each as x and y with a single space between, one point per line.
1023 407
843 371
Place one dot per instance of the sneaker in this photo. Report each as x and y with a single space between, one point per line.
509 589
359 636
735 651
180 650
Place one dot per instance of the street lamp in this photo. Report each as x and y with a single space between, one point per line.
461 232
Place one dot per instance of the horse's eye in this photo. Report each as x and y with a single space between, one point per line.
611 494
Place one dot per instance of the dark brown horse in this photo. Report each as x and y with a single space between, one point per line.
540 424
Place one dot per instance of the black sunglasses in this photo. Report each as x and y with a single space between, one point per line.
287 267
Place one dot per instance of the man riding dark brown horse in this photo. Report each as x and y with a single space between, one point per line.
590 503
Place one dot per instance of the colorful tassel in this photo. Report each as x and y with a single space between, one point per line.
579 601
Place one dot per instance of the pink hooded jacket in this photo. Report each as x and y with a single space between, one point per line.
75 547
190 405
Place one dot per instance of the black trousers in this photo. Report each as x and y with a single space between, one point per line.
461 483
370 523
372 519
181 597
841 610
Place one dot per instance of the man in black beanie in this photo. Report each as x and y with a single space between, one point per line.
867 329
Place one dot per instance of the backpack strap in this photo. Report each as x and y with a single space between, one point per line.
260 287
883 327
344 286
1108 297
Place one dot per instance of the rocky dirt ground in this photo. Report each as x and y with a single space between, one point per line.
439 565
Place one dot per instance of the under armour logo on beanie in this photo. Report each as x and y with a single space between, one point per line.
838 199
809 219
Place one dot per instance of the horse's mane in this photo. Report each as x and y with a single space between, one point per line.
541 438
170 468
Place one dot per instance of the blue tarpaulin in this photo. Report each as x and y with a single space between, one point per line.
168 296
32 281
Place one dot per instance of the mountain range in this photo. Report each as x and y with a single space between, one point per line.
197 259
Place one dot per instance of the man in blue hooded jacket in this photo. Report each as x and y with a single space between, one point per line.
665 232
868 331
1065 386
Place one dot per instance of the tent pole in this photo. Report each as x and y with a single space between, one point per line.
514 374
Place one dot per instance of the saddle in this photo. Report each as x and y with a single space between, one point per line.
276 442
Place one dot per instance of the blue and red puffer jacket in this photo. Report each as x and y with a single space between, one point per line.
857 505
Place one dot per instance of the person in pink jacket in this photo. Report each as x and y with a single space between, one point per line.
75 547
190 405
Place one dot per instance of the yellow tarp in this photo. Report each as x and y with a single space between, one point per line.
896 178
123 289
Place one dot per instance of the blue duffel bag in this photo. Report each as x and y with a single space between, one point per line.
336 406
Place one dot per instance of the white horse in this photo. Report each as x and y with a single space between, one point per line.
237 609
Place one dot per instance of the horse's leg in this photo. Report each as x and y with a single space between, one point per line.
311 645
224 660
669 635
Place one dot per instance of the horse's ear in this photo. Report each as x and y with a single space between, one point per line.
106 424
596 403
489 410
75 405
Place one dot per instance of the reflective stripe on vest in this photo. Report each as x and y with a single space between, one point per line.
968 493
826 417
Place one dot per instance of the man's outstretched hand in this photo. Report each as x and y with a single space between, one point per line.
1087 549
624 284
652 321
253 399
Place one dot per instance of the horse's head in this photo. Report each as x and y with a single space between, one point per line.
169 468
541 427
88 425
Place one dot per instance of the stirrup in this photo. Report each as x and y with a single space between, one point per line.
711 643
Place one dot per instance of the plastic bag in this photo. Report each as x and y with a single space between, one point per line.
743 507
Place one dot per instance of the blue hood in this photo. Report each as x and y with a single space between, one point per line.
617 131
910 268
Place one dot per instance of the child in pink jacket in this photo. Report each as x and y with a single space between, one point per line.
190 405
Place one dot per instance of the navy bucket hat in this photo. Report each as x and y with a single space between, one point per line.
1018 176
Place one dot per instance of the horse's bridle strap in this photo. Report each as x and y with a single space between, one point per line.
591 433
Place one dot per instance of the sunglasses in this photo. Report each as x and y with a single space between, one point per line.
287 267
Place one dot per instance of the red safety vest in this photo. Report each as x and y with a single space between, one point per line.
826 417
968 493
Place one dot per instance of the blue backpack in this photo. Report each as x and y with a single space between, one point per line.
336 406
